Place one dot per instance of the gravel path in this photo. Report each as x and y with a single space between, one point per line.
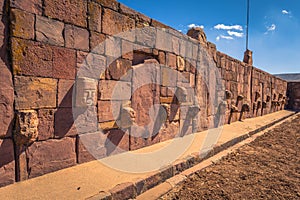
268 168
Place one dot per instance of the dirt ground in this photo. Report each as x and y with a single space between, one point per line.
268 168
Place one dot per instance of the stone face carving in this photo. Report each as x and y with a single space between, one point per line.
240 98
248 57
86 92
127 117
181 94
246 108
26 127
198 34
228 94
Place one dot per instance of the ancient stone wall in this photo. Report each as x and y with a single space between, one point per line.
95 78
293 94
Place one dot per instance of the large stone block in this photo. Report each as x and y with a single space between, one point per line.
98 145
64 63
37 59
97 42
94 18
65 93
32 93
121 23
6 101
76 37
70 11
46 124
49 31
108 111
31 58
114 90
146 36
64 123
171 61
32 6
49 156
26 127
22 24
7 162
113 4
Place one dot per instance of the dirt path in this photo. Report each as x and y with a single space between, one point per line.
268 168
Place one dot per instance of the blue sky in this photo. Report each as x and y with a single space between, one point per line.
274 30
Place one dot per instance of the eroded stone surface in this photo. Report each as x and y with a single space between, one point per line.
31 93
26 127
70 11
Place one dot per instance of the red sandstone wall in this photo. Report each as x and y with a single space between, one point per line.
7 160
51 42
293 94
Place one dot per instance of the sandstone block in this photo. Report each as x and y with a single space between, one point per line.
7 162
171 61
94 18
22 24
108 110
114 90
175 45
32 6
6 102
123 191
64 123
51 155
26 127
31 58
70 11
65 93
77 38
127 50
49 31
146 36
121 22
163 41
162 58
91 66
32 93
113 4
113 47
97 42
168 77
46 124
64 63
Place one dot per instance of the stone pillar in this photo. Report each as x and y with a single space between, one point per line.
248 57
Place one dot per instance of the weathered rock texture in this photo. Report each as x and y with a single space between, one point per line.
83 89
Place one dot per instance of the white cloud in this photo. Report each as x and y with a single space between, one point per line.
236 34
285 12
195 26
271 28
225 27
224 37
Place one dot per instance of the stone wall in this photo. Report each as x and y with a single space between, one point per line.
95 78
293 94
